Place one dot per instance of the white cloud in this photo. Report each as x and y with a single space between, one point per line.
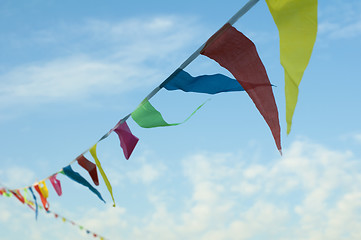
340 30
312 192
146 173
357 137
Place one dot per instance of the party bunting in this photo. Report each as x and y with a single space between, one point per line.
90 167
297 25
56 184
69 172
127 140
235 52
147 116
210 84
93 152
42 197
5 192
36 203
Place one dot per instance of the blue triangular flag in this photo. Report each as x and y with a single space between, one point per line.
68 171
210 84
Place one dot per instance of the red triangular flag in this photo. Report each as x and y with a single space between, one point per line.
18 195
126 138
235 52
90 167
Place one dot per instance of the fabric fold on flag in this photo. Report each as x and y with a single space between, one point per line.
93 152
297 26
56 184
147 116
36 203
127 140
211 84
235 52
42 197
90 167
69 172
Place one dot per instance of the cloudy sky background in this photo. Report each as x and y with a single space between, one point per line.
69 71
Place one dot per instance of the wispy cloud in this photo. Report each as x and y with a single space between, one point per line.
14 177
340 21
358 137
100 57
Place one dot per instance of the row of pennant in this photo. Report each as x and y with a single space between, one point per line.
297 24
33 206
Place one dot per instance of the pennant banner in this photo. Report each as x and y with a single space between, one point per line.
235 52
93 152
69 172
148 117
210 84
5 192
127 140
297 25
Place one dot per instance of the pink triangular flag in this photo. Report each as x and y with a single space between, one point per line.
56 184
127 139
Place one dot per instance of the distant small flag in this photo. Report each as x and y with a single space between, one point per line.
56 184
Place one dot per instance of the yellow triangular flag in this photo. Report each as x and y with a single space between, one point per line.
93 152
43 189
296 21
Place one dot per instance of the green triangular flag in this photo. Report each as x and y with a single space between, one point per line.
147 116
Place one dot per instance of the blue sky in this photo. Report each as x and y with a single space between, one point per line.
70 71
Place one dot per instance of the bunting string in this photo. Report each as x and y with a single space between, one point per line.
231 50
8 193
130 145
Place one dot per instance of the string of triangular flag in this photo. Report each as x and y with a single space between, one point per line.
233 51
33 205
